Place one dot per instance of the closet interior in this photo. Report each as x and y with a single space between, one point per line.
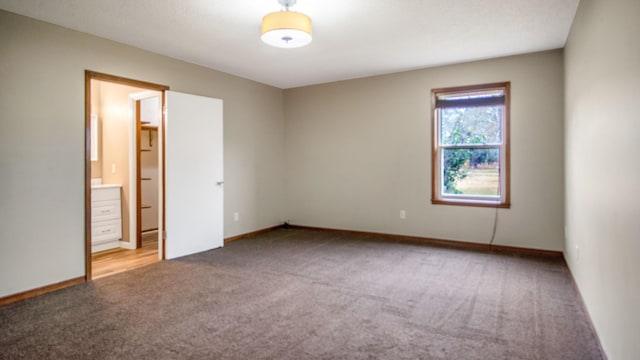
148 118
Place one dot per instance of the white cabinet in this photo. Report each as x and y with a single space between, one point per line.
106 217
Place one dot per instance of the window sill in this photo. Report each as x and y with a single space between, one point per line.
466 202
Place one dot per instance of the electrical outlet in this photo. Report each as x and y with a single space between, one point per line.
236 216
403 214
113 168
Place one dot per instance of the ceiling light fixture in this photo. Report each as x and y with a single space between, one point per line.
286 29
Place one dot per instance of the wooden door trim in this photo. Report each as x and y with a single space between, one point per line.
125 81
93 75
138 179
163 129
87 174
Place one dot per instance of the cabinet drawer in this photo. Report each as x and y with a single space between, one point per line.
105 210
106 231
112 193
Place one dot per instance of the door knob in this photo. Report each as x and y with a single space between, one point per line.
219 183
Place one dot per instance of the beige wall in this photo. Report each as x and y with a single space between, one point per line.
42 144
358 152
602 61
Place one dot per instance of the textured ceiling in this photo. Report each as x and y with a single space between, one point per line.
352 38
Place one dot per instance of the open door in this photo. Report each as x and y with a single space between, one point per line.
193 174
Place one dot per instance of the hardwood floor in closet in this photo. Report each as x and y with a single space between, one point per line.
115 261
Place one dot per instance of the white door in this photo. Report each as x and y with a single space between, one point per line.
194 174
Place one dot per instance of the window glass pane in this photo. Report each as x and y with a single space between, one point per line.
471 125
471 172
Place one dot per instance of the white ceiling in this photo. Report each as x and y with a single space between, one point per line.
352 38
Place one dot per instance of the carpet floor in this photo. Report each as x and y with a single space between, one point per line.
302 294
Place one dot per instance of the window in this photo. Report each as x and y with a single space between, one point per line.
470 164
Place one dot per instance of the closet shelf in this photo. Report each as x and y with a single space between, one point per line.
149 127
145 150
145 178
144 206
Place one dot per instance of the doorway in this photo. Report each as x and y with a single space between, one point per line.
190 171
124 168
